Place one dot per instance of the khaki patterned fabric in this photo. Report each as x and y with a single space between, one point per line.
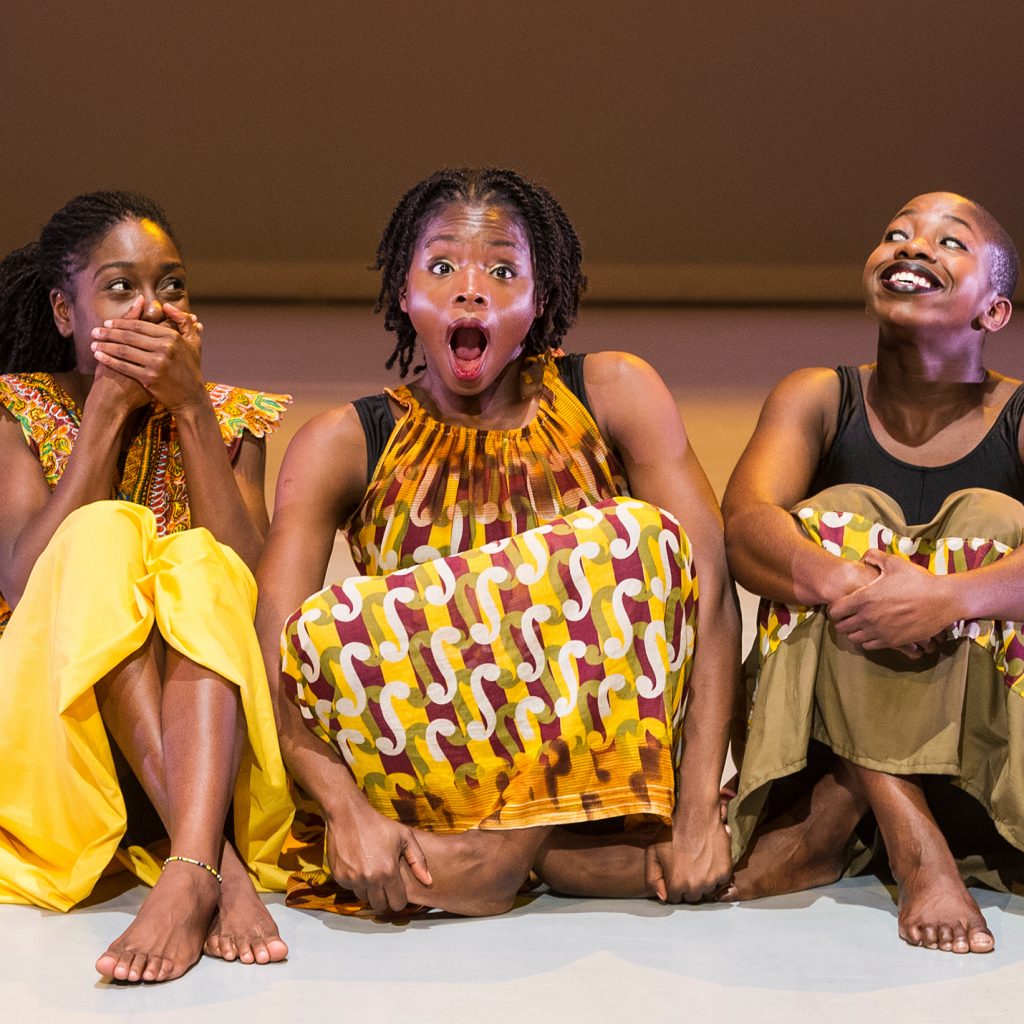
957 712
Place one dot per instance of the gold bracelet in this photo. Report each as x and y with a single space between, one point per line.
199 864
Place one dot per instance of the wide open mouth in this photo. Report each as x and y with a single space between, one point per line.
908 277
467 342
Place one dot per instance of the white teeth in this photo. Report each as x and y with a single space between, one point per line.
908 277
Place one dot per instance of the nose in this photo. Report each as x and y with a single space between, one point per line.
152 308
469 291
917 248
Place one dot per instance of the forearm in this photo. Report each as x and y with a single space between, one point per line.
711 699
995 591
215 500
770 556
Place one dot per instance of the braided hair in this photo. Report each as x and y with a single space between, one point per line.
29 339
556 250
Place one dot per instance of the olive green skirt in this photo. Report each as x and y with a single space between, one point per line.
956 714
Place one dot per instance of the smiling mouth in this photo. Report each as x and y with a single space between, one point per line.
467 342
910 278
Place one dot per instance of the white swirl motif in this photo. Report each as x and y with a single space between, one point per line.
529 574
345 740
390 650
350 678
645 687
439 594
576 610
621 548
350 588
391 692
535 613
616 681
482 728
616 647
440 726
667 540
526 707
570 677
435 691
486 631
587 518
309 672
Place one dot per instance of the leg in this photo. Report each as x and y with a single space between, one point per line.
803 846
477 873
174 731
935 908
611 866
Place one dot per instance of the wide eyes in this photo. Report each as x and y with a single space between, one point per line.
503 272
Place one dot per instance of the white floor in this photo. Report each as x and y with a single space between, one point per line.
830 955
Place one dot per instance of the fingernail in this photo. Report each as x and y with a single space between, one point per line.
108 323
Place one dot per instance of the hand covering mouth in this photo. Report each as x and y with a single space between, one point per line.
467 342
908 277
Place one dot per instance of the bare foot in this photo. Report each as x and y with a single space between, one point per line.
475 873
937 911
242 928
806 846
784 857
166 937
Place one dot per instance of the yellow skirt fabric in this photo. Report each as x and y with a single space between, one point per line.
102 584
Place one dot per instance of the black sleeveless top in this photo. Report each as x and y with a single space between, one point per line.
856 457
378 421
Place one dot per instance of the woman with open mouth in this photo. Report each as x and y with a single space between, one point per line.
512 663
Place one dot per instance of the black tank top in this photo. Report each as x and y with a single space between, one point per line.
856 457
378 421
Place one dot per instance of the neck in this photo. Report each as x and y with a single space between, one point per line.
504 404
76 383
911 364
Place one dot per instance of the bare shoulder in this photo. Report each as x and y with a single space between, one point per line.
625 391
325 464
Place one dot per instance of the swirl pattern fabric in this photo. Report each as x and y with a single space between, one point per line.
534 680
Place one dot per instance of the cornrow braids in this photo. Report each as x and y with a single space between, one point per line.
554 244
29 339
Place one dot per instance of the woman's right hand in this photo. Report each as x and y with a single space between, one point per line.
365 854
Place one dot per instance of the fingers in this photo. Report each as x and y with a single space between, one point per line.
655 874
417 861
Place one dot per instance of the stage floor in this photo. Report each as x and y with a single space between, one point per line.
832 954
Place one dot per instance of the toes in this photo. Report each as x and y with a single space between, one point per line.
945 938
961 944
245 953
277 949
133 968
981 940
930 936
211 947
108 962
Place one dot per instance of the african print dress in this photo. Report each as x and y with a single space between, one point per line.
517 651
112 573
956 713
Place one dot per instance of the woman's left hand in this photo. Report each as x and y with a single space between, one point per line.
691 861
904 609
162 357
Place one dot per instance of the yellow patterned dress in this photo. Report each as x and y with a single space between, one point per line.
517 650
113 572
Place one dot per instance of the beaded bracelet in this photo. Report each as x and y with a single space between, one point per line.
199 864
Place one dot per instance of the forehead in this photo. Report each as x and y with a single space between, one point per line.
133 241
947 206
475 221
